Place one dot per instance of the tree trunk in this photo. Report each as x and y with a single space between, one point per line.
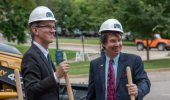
147 49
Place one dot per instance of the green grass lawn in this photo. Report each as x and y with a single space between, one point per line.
93 40
161 63
79 68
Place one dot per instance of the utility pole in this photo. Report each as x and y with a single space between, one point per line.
82 39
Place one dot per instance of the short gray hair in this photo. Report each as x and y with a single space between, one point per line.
32 25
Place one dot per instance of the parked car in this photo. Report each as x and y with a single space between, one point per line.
157 42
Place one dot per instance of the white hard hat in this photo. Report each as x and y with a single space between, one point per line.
111 25
41 13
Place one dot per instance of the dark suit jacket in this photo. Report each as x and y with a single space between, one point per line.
96 88
38 78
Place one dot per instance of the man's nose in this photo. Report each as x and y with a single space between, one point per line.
53 30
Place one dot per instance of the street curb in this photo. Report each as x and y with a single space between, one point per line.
157 70
79 76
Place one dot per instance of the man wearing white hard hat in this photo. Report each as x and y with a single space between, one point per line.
41 79
107 74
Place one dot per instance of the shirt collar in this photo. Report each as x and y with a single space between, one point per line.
115 59
43 50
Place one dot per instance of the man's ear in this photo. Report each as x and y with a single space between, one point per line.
103 45
35 31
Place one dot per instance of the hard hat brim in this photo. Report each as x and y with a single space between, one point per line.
112 30
44 19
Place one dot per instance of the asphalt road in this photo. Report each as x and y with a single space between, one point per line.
160 89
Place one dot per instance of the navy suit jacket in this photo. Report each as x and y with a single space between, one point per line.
96 88
38 78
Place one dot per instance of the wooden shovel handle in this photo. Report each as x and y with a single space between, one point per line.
129 77
69 88
18 84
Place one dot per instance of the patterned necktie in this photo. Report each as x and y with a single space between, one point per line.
50 61
111 86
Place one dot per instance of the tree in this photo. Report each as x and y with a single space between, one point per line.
13 19
143 17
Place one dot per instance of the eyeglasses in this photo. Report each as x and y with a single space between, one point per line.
47 26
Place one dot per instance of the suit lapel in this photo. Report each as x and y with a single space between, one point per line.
42 57
121 67
102 70
46 62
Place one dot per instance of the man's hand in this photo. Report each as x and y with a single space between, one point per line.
62 68
132 89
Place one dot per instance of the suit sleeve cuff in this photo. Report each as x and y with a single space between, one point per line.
56 79
139 96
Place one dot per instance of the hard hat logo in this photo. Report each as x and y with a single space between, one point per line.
49 14
117 26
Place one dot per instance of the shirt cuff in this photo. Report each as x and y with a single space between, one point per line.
57 80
